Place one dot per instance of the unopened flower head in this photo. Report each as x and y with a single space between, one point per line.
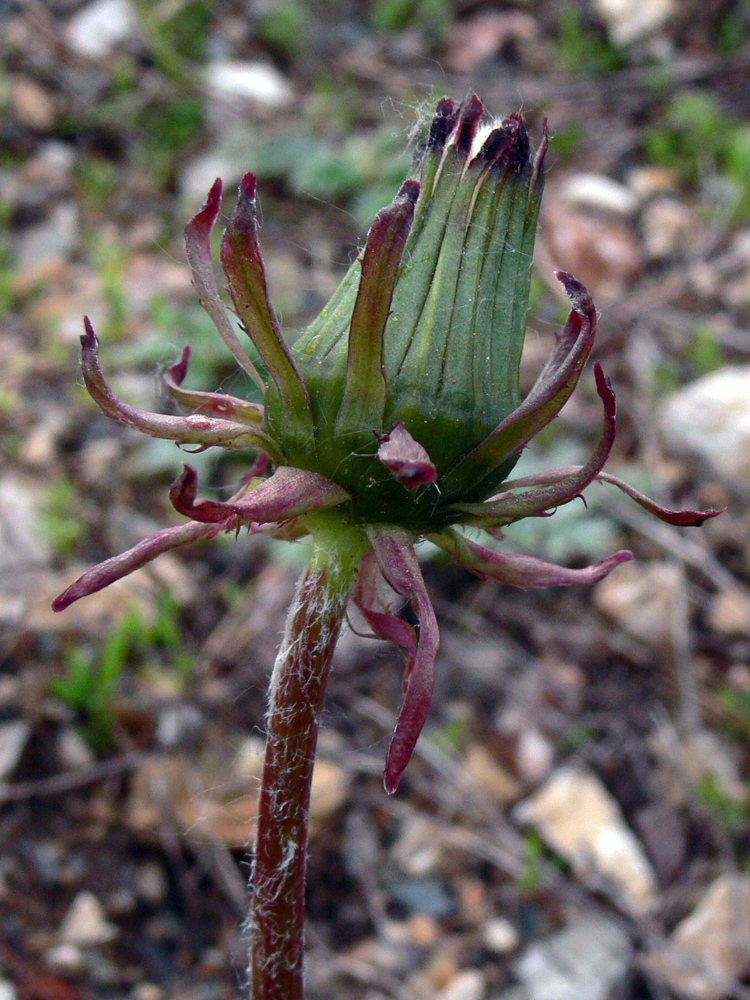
396 415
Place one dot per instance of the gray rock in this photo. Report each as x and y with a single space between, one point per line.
7 990
44 249
13 738
710 420
22 546
584 961
629 20
101 26
579 819
257 82
708 951
85 923
467 985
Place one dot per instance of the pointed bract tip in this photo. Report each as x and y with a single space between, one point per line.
520 148
409 191
578 294
606 393
214 195
443 123
469 116
89 340
541 154
179 369
391 781
248 186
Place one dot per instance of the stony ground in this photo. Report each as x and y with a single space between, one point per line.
576 822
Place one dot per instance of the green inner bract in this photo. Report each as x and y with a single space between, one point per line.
452 341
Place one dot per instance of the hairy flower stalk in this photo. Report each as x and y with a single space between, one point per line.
296 697
395 416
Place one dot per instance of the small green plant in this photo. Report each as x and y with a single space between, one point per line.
360 173
705 353
736 705
177 34
534 854
583 50
91 679
703 146
284 27
60 517
733 814
395 15
7 261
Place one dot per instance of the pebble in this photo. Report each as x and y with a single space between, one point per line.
584 961
249 81
708 950
640 598
65 958
646 182
489 777
22 545
85 923
667 225
101 26
629 20
178 725
500 936
330 786
44 249
14 736
73 752
535 755
729 611
417 852
468 985
601 249
709 419
151 883
147 991
7 990
579 820
600 192
32 104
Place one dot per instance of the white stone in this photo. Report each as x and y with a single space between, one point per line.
73 752
535 755
65 958
584 961
629 20
640 598
600 191
13 738
579 819
7 990
47 244
85 923
250 81
467 985
100 26
22 545
500 936
708 951
710 420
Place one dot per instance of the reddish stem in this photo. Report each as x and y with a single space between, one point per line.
296 700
